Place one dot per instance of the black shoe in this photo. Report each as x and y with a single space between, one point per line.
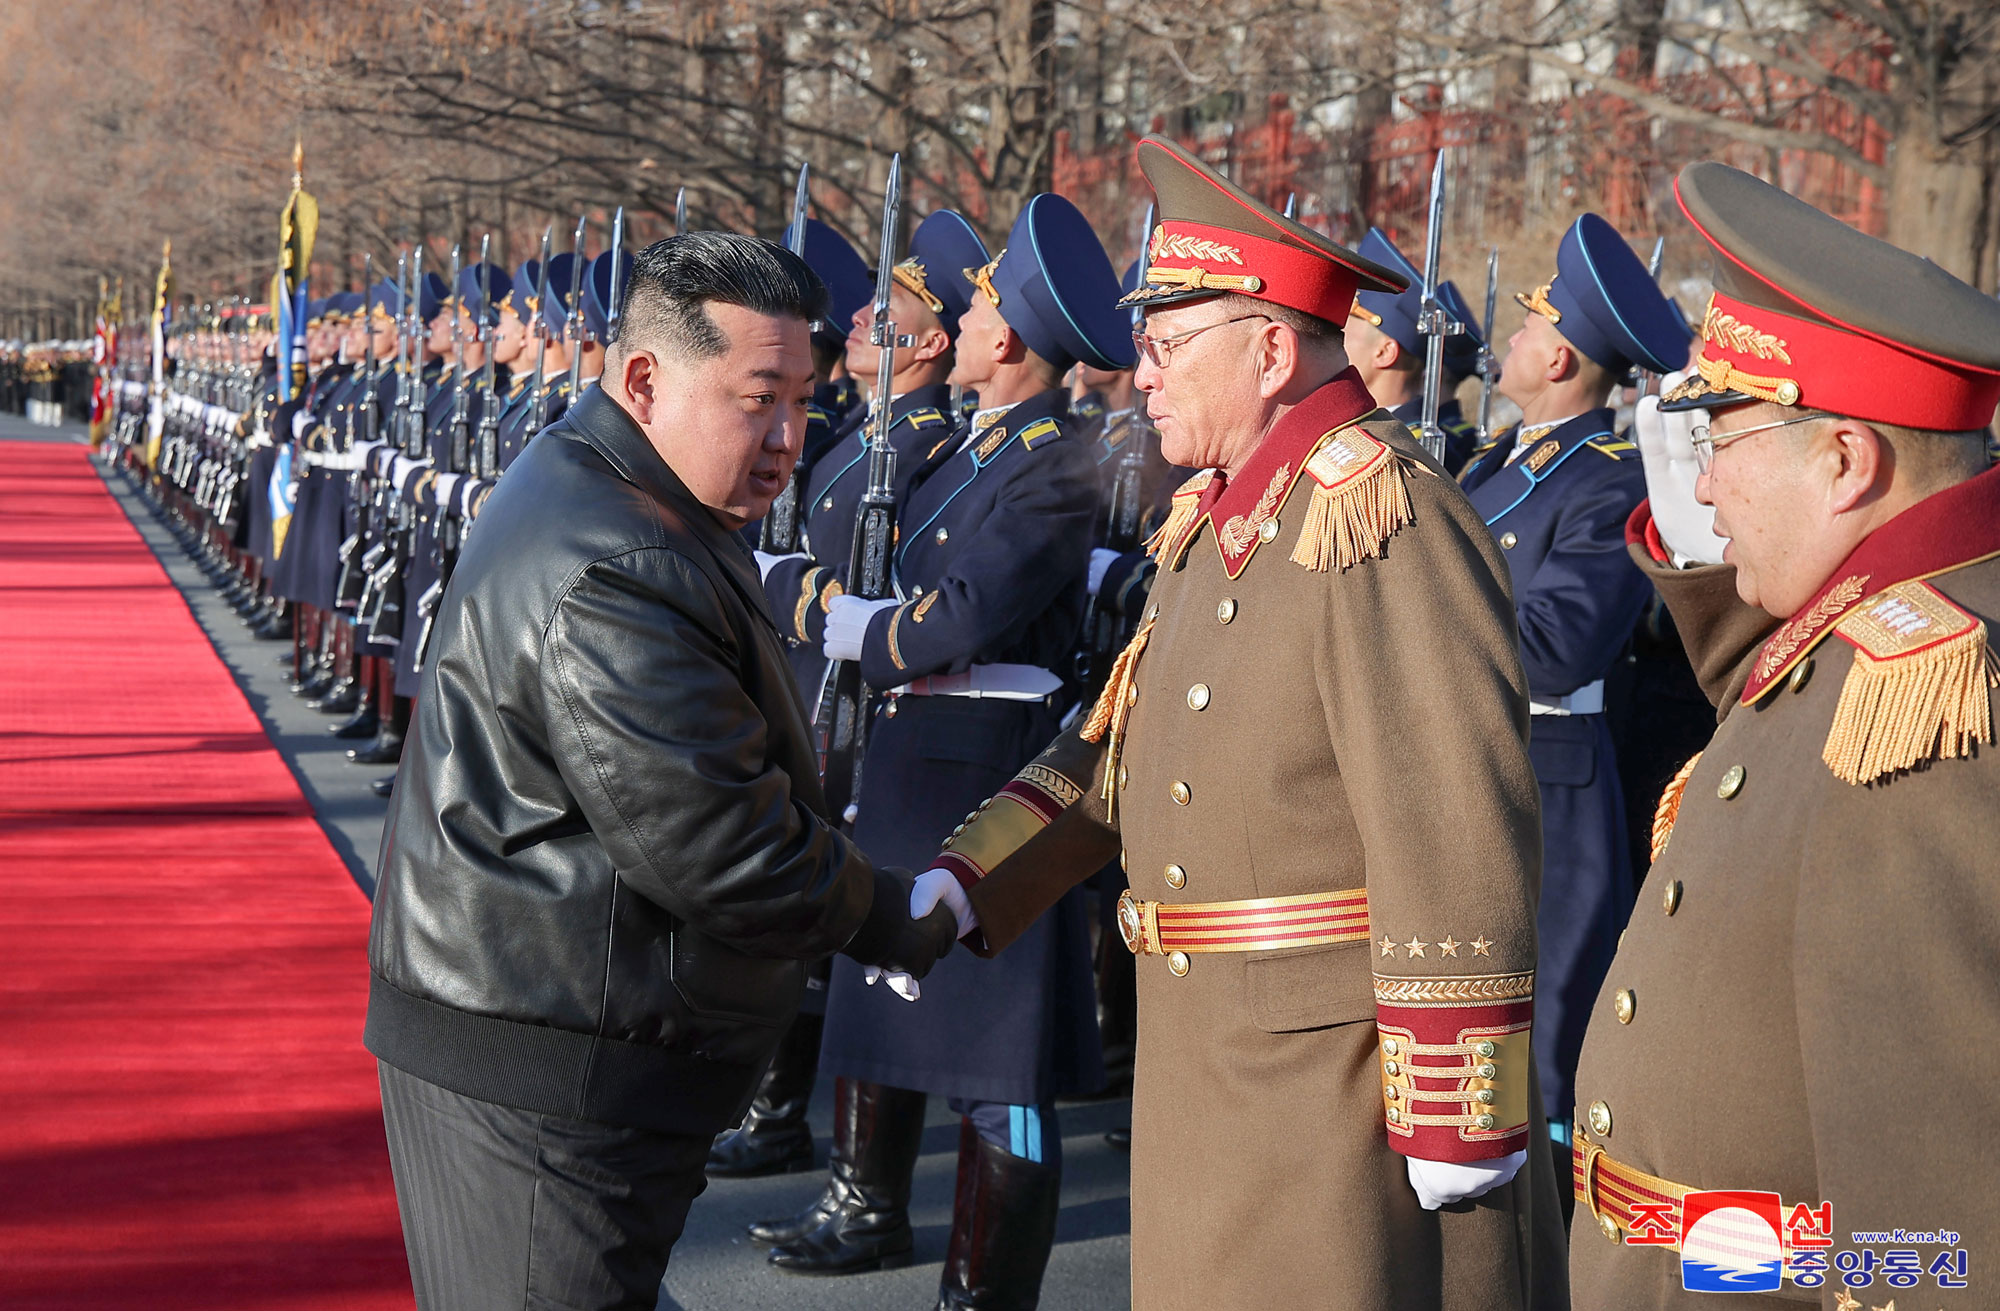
877 1135
382 787
342 698
365 723
272 628
314 683
774 1137
1003 1225
386 749
285 658
1120 1138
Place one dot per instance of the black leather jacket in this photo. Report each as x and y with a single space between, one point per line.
608 852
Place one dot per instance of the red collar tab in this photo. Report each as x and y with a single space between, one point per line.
1949 530
1780 357
1239 507
1182 256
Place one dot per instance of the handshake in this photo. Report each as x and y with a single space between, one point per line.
902 950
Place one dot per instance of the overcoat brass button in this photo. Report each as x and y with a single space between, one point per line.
1731 784
1485 1120
1177 963
1132 695
827 504
1486 1071
1176 877
1179 792
943 536
1123 775
1389 1089
1670 896
1609 1228
1198 697
1507 541
1391 1068
1484 1096
1484 1047
1395 1116
1225 610
1801 675
1121 861
1600 1119
1623 1003
1391 1046
1268 530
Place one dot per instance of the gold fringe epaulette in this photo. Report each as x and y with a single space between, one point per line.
1359 501
1919 689
1669 808
1171 535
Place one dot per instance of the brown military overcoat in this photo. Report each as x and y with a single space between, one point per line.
1807 999
1326 696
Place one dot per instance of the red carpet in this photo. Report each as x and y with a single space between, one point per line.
187 1116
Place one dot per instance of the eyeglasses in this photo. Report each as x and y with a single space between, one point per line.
1160 350
1705 445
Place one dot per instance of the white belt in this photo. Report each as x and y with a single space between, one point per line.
993 682
1586 700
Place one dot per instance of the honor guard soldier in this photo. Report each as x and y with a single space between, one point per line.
1556 492
928 298
1804 1014
540 334
993 546
1312 762
849 287
1388 350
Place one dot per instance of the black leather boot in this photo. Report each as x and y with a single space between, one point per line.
386 749
790 1229
774 1137
878 1133
364 723
1003 1224
382 787
342 697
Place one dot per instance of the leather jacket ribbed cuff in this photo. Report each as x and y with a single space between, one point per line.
887 920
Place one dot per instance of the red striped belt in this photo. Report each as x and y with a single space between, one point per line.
1614 1191
1317 919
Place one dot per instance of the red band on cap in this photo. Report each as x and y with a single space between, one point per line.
1778 357
1251 266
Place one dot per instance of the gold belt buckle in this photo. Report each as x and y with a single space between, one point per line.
1138 925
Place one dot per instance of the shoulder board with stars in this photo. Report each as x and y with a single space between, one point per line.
1919 689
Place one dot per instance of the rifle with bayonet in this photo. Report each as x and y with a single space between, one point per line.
1434 321
539 327
573 325
455 453
681 212
416 444
1489 364
779 533
614 312
486 450
1649 381
841 725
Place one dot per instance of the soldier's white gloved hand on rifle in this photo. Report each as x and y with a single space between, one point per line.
931 888
1101 561
847 625
1440 1183
1666 447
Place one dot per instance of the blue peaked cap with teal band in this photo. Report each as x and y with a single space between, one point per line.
941 249
1398 310
849 284
597 290
1606 305
481 289
1057 288
523 295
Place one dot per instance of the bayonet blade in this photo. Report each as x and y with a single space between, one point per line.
795 235
616 309
681 212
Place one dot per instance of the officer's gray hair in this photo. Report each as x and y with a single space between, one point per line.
1310 327
674 281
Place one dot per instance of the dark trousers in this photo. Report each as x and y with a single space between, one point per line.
504 1208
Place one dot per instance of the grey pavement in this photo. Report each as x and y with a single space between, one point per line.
714 1266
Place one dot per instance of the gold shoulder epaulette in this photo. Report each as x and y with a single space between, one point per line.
1181 513
1359 501
1919 689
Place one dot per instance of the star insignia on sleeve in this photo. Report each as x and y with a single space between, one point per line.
1450 946
1481 947
1415 946
1388 945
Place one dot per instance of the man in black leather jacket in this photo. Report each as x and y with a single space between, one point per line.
608 854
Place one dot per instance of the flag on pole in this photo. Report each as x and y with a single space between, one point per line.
298 223
104 356
163 295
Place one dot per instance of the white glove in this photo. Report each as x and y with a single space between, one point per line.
1101 561
1440 1183
300 422
766 562
931 887
847 625
1686 526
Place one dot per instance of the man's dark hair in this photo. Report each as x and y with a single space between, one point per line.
674 281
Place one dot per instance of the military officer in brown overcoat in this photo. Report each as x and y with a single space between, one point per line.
1805 1008
1312 762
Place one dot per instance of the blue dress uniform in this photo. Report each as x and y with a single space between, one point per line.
1557 498
993 549
1395 313
518 421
